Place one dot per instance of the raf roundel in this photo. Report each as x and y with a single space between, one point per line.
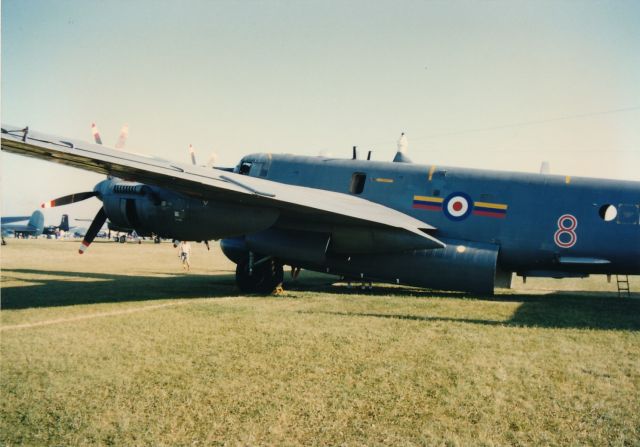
457 206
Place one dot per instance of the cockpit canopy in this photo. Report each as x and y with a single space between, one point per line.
254 165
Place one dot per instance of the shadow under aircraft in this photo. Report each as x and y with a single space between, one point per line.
580 310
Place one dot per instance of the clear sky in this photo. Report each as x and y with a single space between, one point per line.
499 85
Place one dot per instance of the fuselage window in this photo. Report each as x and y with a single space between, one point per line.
608 212
628 213
357 182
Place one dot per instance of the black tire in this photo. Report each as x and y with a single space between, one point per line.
264 278
122 239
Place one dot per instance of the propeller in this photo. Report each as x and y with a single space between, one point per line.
122 138
192 152
545 167
66 200
403 146
96 133
97 222
213 158
95 226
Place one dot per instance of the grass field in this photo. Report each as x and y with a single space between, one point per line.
120 347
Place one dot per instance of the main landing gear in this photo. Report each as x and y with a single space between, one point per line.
262 276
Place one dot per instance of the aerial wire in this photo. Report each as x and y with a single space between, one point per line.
528 123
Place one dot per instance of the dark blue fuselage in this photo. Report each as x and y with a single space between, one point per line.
543 224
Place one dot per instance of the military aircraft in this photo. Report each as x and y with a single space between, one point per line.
34 227
424 225
51 230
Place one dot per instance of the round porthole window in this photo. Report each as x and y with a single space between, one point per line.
608 212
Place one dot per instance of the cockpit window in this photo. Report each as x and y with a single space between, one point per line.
245 167
259 168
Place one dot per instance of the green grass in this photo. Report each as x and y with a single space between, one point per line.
119 347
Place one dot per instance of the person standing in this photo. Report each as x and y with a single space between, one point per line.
184 251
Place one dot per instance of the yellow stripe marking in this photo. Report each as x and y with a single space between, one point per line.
429 199
384 180
496 206
431 171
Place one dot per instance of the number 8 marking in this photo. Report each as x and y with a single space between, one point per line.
566 230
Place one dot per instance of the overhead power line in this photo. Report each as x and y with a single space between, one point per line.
527 123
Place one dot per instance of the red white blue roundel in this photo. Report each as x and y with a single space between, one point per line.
457 206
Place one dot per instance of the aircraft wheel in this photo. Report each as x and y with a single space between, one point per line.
122 239
156 240
264 278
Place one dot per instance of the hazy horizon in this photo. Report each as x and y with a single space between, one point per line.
499 85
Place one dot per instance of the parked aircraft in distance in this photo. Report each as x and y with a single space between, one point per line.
51 230
424 225
33 227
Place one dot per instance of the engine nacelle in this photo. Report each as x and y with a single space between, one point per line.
149 209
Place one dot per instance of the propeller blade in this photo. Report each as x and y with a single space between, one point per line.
213 158
545 168
403 144
122 138
193 154
66 200
96 133
95 226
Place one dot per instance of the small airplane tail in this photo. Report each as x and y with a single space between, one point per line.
37 221
64 223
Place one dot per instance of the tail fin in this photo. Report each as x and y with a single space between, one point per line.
37 221
64 223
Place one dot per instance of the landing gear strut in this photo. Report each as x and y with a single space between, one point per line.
263 277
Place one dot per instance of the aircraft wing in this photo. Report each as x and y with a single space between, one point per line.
12 219
296 203
24 228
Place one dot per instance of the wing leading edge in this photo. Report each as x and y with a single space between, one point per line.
294 202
